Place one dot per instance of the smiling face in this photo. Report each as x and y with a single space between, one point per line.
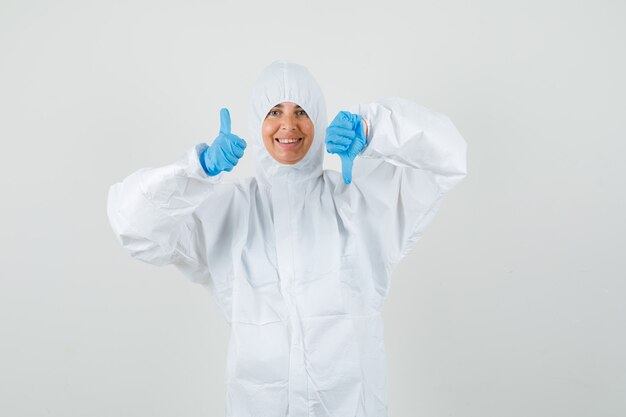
287 133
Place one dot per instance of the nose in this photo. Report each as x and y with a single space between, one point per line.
288 122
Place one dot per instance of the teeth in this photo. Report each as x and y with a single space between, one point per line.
288 140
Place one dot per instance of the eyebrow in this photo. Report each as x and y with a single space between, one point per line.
280 106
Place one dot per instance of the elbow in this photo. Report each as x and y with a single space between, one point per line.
137 245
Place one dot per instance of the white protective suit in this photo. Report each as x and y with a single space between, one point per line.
298 262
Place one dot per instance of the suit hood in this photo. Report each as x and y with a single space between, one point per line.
279 82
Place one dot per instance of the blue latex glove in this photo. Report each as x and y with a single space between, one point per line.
225 151
346 137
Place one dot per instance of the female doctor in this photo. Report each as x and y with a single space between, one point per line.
298 258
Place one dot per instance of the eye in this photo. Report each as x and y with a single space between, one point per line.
302 113
273 112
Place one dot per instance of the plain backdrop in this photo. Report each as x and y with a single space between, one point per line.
512 304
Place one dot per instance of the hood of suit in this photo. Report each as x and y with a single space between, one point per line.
280 82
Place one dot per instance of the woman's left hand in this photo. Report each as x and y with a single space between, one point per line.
346 137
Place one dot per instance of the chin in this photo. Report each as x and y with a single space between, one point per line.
291 161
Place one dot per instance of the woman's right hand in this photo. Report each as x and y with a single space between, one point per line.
225 151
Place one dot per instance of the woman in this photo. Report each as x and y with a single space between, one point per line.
297 257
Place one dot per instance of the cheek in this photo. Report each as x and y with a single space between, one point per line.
267 131
308 129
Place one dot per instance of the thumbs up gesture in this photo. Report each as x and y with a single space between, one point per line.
345 136
225 151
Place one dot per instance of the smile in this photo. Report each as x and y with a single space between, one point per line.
288 140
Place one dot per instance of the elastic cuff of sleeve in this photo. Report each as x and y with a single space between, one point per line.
194 167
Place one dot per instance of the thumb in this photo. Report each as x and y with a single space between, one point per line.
224 121
346 168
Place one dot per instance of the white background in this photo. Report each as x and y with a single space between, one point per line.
512 304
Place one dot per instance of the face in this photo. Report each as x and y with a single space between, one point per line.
287 133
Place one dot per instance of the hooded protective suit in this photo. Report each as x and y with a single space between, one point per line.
298 261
